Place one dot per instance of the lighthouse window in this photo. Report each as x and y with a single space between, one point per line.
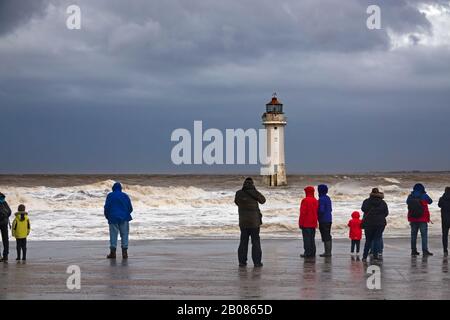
274 108
276 128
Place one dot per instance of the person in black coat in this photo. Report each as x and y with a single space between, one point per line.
374 221
250 219
444 204
5 213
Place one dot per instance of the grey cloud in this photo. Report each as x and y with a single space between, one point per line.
139 68
14 13
168 38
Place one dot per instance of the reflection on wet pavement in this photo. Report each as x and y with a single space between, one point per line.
207 269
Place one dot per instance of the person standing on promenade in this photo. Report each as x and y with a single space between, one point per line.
250 219
325 219
5 213
307 222
21 230
118 211
419 217
444 204
374 222
355 233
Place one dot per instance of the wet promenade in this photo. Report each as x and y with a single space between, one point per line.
207 269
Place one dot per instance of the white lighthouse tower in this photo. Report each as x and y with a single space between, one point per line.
274 121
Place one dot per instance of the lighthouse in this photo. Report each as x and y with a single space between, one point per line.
274 121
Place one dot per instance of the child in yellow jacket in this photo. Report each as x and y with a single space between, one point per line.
20 230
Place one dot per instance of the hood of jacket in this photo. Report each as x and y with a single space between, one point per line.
2 197
376 193
418 189
117 187
309 191
322 189
248 184
355 215
446 195
375 200
21 215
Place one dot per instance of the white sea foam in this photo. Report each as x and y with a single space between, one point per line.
173 207
392 180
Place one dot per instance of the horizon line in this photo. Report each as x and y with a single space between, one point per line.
221 173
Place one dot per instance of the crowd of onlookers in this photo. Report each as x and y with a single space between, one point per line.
318 213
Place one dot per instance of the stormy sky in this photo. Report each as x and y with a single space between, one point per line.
106 98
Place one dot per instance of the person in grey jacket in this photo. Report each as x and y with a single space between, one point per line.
250 219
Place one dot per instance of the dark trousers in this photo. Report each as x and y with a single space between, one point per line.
5 239
21 245
378 242
373 236
325 231
246 233
445 229
355 243
309 243
423 227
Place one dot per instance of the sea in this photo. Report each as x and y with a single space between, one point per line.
70 207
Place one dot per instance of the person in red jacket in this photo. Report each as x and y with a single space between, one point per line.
355 233
307 222
419 217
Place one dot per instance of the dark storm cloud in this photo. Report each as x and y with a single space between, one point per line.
14 13
106 97
152 43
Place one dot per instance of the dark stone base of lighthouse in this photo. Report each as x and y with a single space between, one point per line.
277 179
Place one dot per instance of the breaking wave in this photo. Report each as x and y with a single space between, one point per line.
174 207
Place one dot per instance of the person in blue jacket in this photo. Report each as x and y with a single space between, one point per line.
325 218
118 211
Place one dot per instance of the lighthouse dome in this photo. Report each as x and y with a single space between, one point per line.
274 106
